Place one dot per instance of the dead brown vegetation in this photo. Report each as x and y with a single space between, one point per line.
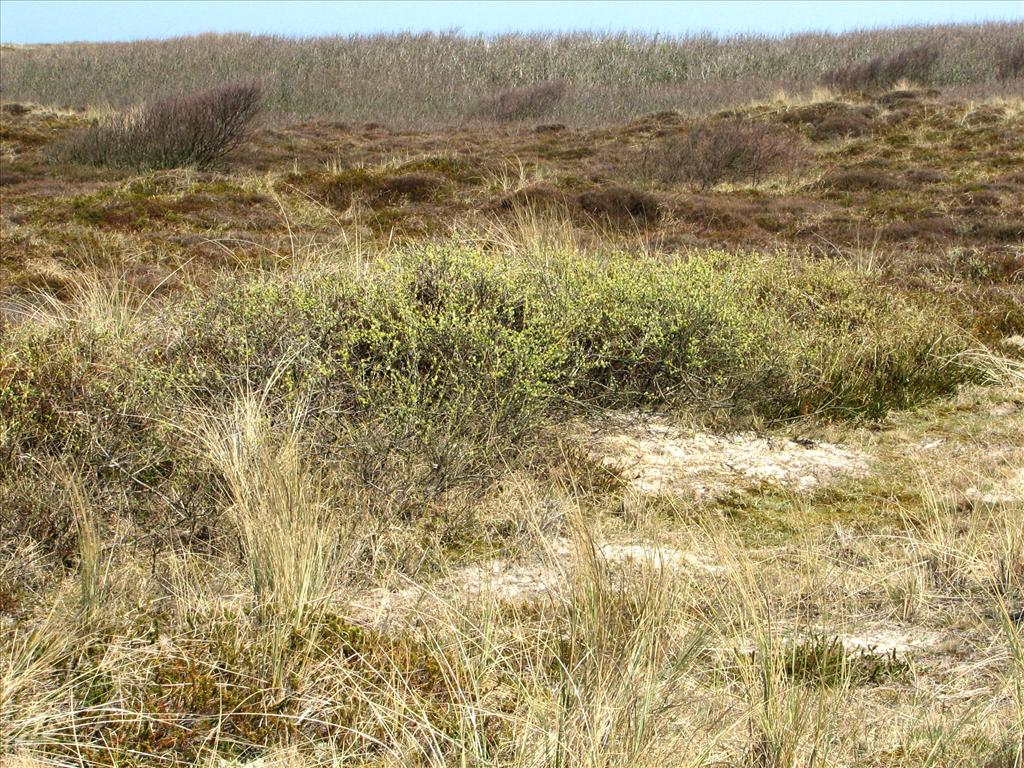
429 80
1010 61
861 179
526 102
915 64
730 150
196 130
832 119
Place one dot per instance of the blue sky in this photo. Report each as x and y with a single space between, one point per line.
49 21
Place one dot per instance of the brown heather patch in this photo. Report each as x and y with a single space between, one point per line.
414 184
378 189
541 197
621 205
924 176
731 150
831 120
860 180
15 109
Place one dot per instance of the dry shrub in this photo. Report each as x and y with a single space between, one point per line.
194 130
393 78
915 64
1010 62
618 203
523 103
732 150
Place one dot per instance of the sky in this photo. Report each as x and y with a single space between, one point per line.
52 21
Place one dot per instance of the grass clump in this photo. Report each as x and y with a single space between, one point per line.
823 660
196 130
277 505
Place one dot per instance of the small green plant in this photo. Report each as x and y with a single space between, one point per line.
821 659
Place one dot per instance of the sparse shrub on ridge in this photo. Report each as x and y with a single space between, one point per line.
915 64
195 130
523 103
732 150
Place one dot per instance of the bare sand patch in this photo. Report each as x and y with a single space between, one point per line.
658 458
1005 491
883 640
509 581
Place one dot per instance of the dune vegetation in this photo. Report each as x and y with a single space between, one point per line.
613 409
582 79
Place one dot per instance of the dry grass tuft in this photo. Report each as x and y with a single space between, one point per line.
276 502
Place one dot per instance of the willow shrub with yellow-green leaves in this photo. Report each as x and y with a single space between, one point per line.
452 333
442 358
